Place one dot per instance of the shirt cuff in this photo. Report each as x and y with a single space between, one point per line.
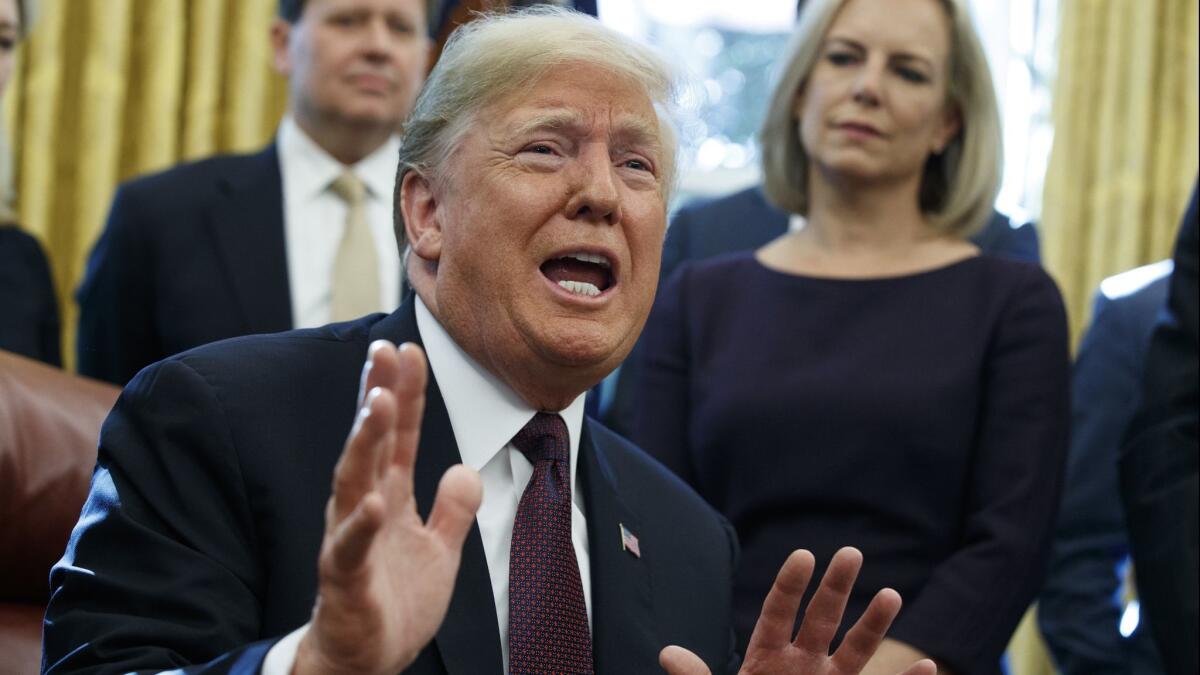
282 656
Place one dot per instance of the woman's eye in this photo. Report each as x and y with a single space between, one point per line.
840 58
912 75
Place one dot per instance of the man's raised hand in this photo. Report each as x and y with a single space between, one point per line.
772 649
384 577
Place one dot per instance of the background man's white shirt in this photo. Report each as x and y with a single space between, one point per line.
314 219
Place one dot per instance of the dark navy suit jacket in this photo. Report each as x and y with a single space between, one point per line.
29 323
746 220
1079 608
1158 465
198 542
188 256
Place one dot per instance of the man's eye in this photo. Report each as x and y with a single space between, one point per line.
541 149
401 27
637 164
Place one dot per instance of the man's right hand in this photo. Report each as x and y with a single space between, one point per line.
385 577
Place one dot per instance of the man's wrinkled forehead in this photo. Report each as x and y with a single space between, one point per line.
625 128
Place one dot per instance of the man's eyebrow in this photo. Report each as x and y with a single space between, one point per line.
629 131
549 120
634 132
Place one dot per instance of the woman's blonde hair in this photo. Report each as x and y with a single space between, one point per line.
960 183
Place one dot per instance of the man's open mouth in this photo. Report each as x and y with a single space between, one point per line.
580 273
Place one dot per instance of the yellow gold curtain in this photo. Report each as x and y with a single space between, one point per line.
1126 123
108 89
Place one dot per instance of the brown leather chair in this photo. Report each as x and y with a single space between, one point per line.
49 423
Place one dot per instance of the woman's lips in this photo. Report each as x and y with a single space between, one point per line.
859 130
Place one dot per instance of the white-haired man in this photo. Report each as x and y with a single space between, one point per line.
532 189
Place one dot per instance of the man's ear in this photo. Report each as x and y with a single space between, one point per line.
281 38
422 222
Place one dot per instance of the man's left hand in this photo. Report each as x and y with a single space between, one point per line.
772 649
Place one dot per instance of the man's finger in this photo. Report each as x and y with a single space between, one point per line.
352 538
824 613
864 638
774 628
922 667
408 385
356 472
379 370
679 661
458 496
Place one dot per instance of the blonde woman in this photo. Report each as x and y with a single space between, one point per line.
871 379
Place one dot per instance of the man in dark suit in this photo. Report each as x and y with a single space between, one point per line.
1080 605
1158 465
265 242
533 180
745 220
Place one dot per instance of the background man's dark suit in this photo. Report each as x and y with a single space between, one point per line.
1079 608
1159 466
188 256
746 220
207 512
29 322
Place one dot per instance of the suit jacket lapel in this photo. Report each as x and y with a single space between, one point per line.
469 639
247 227
624 634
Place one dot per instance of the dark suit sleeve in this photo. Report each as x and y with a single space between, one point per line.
116 307
660 418
161 571
1159 467
974 599
29 323
1078 608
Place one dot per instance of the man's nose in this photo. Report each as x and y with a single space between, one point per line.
377 38
595 196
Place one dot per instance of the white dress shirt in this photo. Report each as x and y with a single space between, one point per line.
314 219
485 414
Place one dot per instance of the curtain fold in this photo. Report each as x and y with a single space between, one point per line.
1125 156
105 90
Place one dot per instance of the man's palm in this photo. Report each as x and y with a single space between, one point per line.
385 577
773 651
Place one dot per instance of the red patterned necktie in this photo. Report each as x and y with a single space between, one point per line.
547 618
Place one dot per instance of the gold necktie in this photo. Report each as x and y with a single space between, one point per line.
356 267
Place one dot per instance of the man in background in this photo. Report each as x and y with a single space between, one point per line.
296 235
1158 465
1080 607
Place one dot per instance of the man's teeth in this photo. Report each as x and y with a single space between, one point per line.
579 287
590 258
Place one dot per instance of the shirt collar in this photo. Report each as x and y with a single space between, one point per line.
308 170
484 412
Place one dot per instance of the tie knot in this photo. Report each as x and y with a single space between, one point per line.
349 187
544 438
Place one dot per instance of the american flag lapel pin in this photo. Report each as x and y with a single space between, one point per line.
629 542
